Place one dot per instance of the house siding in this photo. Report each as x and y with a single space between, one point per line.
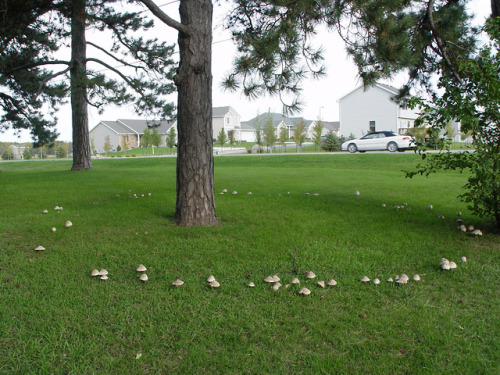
98 135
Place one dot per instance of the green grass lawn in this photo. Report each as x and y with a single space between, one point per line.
56 318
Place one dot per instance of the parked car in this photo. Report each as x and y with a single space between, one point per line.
383 140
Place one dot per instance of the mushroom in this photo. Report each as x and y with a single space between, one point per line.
40 248
53 229
477 232
45 211
390 280
356 193
221 193
321 283
384 205
276 286
365 279
141 268
251 285
178 282
149 194
276 279
403 279
304 291
441 217
235 192
471 228
214 284
211 279
103 272
295 281
68 224
430 207
143 277
249 193
464 259
460 221
307 193
224 190
331 283
269 279
416 278
310 275
104 277
459 213
376 281
462 228
316 194
453 265
95 272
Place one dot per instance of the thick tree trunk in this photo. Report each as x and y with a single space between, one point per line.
195 163
78 73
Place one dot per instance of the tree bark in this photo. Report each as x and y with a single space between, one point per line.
195 163
78 76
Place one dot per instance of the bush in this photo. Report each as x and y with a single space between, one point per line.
331 142
27 154
60 152
7 155
118 148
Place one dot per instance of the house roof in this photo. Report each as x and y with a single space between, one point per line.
220 111
391 89
277 118
125 126
331 125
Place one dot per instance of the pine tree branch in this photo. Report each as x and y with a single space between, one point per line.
165 18
125 63
36 64
124 77
47 79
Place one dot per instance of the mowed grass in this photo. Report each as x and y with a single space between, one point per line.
56 318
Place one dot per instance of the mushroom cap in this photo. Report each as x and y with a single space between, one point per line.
178 282
444 261
269 279
462 228
310 274
446 266
376 281
404 277
103 272
331 282
365 279
276 279
477 232
390 280
45 211
144 277
384 205
316 194
295 281
141 268
40 248
321 283
416 277
453 265
68 224
464 259
224 190
276 286
459 213
251 285
471 228
249 193
53 229
460 221
356 192
402 280
95 272
104 277
214 284
304 291
441 217
430 207
221 193
211 279
235 192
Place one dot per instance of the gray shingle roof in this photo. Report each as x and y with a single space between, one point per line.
220 111
277 118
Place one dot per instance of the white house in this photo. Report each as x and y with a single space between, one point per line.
372 109
228 119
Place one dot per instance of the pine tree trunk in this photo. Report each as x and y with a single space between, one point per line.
195 163
78 73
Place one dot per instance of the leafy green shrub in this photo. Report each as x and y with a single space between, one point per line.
331 142
8 155
60 152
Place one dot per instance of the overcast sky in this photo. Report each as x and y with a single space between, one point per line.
320 96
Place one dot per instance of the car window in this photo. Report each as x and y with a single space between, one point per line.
370 136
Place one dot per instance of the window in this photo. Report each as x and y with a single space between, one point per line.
372 126
228 120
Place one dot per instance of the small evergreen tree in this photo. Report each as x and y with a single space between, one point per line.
60 152
331 142
222 138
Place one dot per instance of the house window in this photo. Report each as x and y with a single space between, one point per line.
372 126
228 120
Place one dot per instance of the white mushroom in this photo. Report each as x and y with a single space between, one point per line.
295 281
40 248
365 279
221 193
144 277
464 259
477 232
430 207
471 228
384 205
459 213
376 281
214 284
178 282
141 268
316 194
235 192
403 279
95 272
53 229
224 190
331 283
441 217
211 279
269 279
304 291
68 224
104 277
453 265
310 275
390 280
249 193
103 272
321 283
251 285
356 193
276 286
45 211
462 228
416 278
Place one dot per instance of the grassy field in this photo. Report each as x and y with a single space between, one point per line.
55 318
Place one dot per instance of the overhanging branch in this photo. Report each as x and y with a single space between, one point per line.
165 18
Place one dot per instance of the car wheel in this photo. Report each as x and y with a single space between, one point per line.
392 147
352 148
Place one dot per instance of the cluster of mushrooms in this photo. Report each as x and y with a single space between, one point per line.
400 279
67 224
274 281
224 191
449 264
